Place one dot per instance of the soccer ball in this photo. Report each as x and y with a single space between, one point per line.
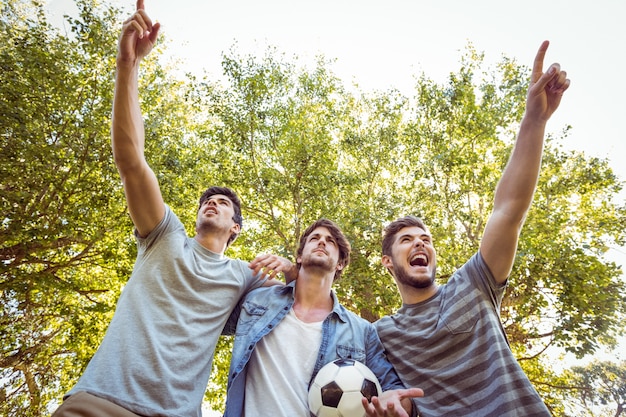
338 388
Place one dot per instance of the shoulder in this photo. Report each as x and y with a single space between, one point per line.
265 294
170 225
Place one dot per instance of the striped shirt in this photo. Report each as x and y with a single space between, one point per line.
453 346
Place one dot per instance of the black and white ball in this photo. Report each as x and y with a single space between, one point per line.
338 388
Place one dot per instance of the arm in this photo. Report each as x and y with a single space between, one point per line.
395 400
141 187
516 188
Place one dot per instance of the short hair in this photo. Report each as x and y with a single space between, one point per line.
232 196
394 227
342 242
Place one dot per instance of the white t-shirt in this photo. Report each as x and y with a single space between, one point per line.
284 360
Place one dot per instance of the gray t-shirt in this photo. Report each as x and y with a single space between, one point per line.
453 346
156 356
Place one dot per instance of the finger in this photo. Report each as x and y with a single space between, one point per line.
136 27
560 83
139 23
369 408
538 64
154 32
256 261
378 406
256 270
548 78
412 393
140 5
369 411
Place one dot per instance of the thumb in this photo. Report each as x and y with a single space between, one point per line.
413 392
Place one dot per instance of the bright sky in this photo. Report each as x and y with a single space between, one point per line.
386 43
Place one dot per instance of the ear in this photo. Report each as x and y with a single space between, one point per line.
387 263
235 228
339 267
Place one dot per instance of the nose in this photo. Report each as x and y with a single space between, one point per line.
418 242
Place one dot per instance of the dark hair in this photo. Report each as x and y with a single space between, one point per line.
395 226
232 196
337 234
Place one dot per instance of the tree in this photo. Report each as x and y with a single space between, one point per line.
58 265
602 383
66 244
440 156
296 145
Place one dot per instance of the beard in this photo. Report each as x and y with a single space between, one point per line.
404 278
324 264
210 225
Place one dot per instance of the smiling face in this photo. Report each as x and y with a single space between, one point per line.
412 259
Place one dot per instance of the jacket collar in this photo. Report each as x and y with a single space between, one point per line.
338 310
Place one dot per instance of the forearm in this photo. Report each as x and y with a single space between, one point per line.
518 182
127 130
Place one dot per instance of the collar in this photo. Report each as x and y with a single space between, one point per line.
338 310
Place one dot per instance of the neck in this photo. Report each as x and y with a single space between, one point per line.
313 301
211 242
413 295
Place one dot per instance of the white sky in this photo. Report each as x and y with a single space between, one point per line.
386 43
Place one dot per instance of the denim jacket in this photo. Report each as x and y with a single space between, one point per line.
344 335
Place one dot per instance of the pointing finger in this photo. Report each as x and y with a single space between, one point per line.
538 64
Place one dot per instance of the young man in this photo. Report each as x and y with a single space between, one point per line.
286 334
448 339
156 356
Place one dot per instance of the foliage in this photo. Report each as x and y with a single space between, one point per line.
61 266
296 145
67 247
603 384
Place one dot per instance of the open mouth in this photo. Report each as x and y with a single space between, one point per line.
419 259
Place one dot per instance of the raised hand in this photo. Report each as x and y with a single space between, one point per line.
138 37
546 89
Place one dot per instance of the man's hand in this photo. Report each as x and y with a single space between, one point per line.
272 265
546 89
392 403
138 37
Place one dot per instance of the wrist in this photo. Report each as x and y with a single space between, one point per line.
530 121
126 65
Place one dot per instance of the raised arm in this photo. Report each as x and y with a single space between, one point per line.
516 188
141 187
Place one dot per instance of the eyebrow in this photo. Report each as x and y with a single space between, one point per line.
421 236
330 237
220 199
